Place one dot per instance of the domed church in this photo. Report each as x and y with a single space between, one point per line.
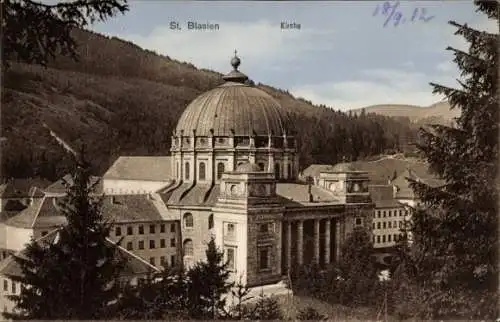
232 174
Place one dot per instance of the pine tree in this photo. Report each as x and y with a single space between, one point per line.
358 273
455 231
208 285
310 314
77 276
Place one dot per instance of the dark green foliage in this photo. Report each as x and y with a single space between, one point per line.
77 277
37 32
358 283
208 283
309 313
162 296
266 308
240 295
454 260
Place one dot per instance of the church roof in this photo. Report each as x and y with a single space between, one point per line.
315 169
141 168
134 265
298 193
21 187
234 108
188 195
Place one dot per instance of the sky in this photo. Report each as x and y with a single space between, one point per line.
344 55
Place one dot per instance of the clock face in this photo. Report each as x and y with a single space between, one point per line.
333 186
356 187
235 190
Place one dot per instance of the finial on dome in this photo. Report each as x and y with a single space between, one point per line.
235 61
235 75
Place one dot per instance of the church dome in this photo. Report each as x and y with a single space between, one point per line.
248 167
234 108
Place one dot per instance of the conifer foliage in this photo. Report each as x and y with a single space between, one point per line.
208 285
76 275
455 231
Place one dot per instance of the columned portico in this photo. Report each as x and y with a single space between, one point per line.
323 246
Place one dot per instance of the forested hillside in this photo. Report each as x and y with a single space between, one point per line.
122 100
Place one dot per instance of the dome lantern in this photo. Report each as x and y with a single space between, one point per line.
235 75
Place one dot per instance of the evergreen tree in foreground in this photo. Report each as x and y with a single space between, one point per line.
455 232
208 285
74 277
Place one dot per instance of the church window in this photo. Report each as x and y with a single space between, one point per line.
277 170
373 225
141 230
172 228
188 247
202 171
389 238
384 225
186 170
220 170
5 285
400 224
378 225
141 244
261 166
129 246
151 229
383 238
230 230
211 221
172 242
389 224
289 171
162 228
231 258
162 260
384 213
359 222
177 169
152 244
264 228
118 231
394 224
14 289
188 220
162 243
130 230
390 213
152 261
378 239
265 258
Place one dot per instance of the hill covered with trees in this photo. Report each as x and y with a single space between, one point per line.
122 100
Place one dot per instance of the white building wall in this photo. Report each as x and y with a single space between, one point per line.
17 238
117 187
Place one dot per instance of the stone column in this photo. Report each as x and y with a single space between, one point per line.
300 241
289 245
316 241
327 240
337 239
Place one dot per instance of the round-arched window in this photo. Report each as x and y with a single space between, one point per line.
188 247
202 171
220 170
188 220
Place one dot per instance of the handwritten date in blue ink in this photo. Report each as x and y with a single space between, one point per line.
392 14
